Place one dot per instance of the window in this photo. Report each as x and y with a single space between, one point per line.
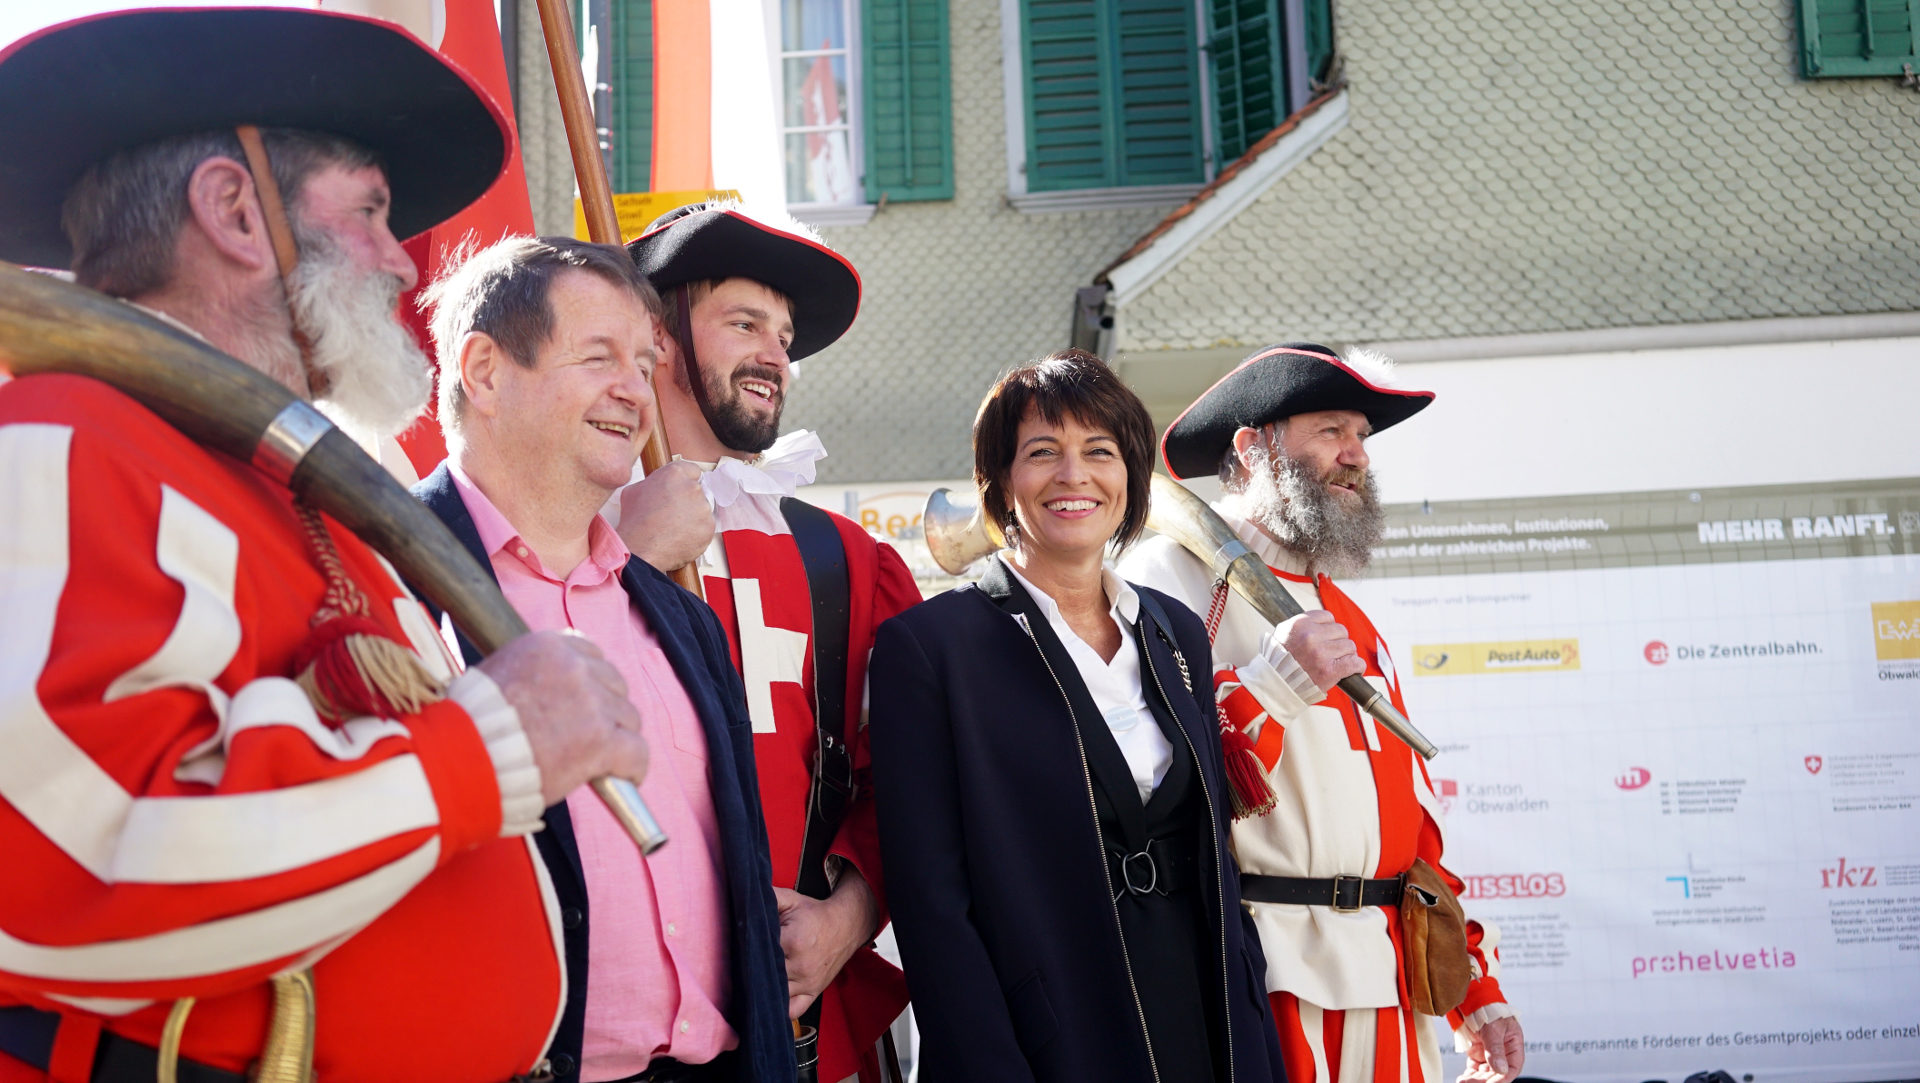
1858 37
865 113
816 115
1153 95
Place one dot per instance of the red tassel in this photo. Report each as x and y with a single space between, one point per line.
347 666
1246 777
326 667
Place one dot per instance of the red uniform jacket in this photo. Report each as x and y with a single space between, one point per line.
175 820
768 616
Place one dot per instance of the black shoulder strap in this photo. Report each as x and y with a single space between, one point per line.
824 556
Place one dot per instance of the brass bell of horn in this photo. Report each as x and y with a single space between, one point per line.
957 534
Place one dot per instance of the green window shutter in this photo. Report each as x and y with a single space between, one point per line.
1158 83
1858 37
1319 38
632 79
1247 43
906 94
1112 93
1249 80
1067 115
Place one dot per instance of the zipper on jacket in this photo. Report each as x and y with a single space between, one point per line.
1086 773
1213 822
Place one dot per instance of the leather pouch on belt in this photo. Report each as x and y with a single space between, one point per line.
1438 966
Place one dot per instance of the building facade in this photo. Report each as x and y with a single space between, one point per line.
1501 197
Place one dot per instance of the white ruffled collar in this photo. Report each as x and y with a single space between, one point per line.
778 471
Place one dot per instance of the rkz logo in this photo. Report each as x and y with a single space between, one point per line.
1813 764
1842 876
1656 653
1634 778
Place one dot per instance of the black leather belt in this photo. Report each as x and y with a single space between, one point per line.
1163 866
26 1035
1343 893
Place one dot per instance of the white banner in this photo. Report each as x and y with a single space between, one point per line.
1680 741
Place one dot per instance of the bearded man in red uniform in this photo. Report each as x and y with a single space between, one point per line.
744 301
1343 807
210 793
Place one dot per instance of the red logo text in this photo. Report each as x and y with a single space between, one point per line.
1516 885
1845 875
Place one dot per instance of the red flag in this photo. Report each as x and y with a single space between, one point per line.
470 38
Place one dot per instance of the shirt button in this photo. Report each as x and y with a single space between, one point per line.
571 917
520 551
672 930
562 1065
685 1026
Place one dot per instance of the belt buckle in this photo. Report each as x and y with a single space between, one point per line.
1153 872
1345 885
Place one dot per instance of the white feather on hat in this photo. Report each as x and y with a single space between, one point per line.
1374 367
770 218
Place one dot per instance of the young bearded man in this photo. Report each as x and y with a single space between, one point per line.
744 301
1350 806
546 346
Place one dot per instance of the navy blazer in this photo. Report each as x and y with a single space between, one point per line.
996 866
696 646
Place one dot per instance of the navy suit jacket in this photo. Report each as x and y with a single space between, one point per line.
696 646
996 866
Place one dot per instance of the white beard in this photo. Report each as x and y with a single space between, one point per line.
1290 499
377 379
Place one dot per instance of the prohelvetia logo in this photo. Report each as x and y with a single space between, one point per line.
1515 656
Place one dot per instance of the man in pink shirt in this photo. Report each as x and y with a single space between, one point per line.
674 965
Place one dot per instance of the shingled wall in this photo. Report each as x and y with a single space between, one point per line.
1514 168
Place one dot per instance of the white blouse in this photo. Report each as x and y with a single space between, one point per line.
1115 686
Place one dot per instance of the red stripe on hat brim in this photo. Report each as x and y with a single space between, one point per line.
1264 355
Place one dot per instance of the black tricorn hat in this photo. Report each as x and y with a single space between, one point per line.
77 92
1276 382
699 242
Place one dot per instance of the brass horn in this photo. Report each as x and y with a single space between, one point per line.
957 535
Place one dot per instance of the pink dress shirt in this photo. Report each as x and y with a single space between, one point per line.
657 979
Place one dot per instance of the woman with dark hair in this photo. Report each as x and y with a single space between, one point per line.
1053 811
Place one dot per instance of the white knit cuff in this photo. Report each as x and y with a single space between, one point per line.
1285 699
507 747
1290 671
1471 1024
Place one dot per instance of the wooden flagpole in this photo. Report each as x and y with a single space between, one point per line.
596 198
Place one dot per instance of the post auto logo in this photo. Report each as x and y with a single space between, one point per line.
1516 885
1505 656
1633 778
1656 652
